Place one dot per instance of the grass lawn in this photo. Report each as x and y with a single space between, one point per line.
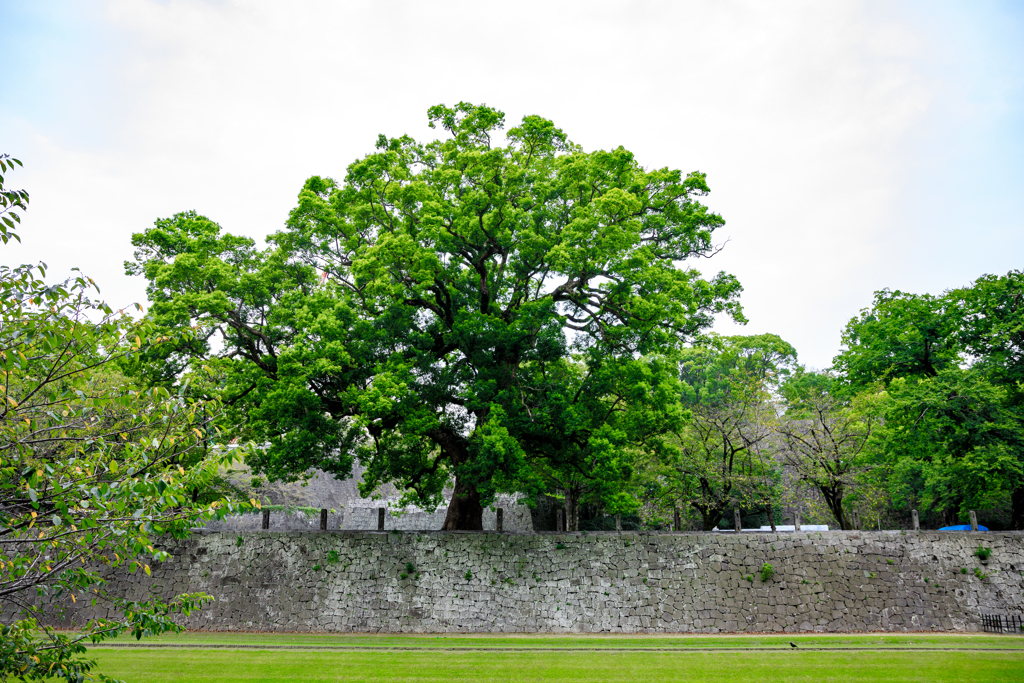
594 641
484 666
227 657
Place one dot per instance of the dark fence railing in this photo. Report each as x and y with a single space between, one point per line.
995 623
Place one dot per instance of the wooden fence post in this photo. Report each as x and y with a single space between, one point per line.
677 521
499 519
266 520
323 519
917 521
796 521
618 522
736 519
974 520
380 519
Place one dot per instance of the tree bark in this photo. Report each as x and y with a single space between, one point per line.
572 509
1017 514
464 511
709 518
834 499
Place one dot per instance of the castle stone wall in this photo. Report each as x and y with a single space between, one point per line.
599 582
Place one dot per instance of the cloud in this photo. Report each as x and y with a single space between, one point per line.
811 120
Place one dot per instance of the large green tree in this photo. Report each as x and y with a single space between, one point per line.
394 317
952 367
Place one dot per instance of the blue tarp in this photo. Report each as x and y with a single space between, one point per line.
962 527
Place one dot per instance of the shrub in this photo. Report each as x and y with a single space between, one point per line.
332 556
469 575
409 568
767 572
983 553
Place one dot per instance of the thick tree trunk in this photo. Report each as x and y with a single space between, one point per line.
709 518
1017 514
572 510
464 511
834 500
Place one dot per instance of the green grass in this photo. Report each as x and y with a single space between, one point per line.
249 658
596 641
223 666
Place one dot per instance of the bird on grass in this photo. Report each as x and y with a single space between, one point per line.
792 644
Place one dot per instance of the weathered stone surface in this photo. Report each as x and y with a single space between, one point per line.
566 582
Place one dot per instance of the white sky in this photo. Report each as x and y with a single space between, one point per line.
850 146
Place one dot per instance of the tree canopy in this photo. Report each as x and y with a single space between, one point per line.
950 367
398 315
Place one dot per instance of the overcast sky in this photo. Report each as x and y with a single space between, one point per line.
850 146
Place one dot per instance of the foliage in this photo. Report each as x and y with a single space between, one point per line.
92 473
722 456
9 201
403 315
598 420
825 436
992 329
901 335
983 553
951 366
951 443
767 572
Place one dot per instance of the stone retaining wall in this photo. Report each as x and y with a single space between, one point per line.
567 582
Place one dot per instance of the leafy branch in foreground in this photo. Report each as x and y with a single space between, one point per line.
92 474
10 200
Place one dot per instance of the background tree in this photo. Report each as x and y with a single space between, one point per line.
992 331
586 422
825 436
901 335
9 201
394 317
953 412
721 457
952 444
